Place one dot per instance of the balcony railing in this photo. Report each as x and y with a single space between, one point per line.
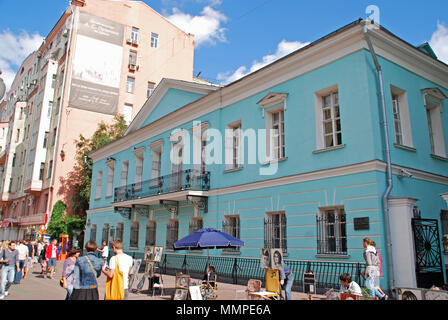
184 180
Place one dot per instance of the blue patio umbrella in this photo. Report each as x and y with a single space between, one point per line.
208 238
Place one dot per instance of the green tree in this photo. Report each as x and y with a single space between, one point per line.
75 188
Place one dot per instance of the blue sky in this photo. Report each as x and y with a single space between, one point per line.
237 37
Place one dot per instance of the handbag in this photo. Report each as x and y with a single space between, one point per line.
61 283
115 285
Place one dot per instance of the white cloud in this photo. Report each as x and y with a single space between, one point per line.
439 42
284 48
13 50
206 27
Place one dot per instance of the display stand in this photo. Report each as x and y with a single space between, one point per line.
153 256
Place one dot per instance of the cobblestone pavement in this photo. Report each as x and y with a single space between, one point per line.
38 287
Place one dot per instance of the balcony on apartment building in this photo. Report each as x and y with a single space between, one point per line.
174 187
31 186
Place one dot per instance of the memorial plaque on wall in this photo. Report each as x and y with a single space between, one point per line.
361 223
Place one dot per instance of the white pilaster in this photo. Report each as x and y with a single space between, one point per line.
403 252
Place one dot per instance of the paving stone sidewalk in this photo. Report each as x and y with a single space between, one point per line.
38 287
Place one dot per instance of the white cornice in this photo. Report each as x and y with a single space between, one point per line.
309 58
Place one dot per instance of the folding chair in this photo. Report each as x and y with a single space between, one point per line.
272 286
253 285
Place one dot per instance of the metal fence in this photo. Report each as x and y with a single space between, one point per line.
184 180
239 270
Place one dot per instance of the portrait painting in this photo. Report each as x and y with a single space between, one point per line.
265 260
149 253
182 281
277 259
149 269
158 251
180 294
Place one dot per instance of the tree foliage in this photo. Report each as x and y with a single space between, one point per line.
61 223
77 185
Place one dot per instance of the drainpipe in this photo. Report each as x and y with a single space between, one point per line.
388 161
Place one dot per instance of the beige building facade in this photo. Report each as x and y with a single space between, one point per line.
102 58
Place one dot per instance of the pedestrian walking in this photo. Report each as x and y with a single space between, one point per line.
10 257
372 269
87 269
121 261
23 256
68 270
43 259
52 256
104 252
380 268
286 280
29 260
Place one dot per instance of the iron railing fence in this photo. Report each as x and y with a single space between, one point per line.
184 180
238 270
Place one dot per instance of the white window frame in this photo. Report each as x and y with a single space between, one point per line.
124 173
128 110
233 145
110 178
433 99
320 121
401 117
134 35
98 185
154 40
130 85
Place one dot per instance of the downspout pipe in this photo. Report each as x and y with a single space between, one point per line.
388 189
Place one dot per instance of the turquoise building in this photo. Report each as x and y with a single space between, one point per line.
292 156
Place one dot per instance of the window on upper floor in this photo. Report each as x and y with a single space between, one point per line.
154 40
134 35
132 60
124 173
233 146
130 84
150 89
98 183
139 158
402 124
127 112
331 231
110 178
156 167
434 98
50 169
275 230
328 119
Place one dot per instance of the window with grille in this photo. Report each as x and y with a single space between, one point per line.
151 233
120 230
93 233
106 228
231 225
331 231
172 232
195 225
275 230
134 235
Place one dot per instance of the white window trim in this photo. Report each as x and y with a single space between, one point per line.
338 210
318 101
433 101
405 120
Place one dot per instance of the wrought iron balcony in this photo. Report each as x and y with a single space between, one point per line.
180 181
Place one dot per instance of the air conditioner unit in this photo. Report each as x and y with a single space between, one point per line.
135 41
132 67
65 33
129 40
